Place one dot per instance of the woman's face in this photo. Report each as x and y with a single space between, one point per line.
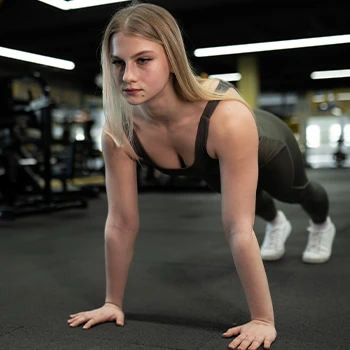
141 67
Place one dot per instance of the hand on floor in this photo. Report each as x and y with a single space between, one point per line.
252 335
108 312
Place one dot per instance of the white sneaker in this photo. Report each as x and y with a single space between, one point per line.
276 235
319 246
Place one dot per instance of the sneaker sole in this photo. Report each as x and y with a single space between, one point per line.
315 261
273 257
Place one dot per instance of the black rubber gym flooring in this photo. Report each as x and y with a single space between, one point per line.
183 290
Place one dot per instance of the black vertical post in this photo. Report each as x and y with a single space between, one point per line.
46 137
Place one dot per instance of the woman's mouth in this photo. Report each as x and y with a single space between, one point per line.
132 91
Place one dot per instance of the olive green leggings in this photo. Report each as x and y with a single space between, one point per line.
284 178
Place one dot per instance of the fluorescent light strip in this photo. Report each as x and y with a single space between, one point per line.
330 74
34 58
78 4
272 46
227 76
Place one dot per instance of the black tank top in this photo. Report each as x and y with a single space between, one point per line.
272 131
203 164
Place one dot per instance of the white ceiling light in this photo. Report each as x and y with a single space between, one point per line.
227 76
272 46
34 58
78 4
330 74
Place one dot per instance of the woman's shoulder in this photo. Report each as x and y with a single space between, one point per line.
231 116
235 109
231 123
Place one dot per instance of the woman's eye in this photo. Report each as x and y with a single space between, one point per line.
118 63
143 60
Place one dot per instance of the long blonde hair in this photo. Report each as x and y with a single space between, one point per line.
154 23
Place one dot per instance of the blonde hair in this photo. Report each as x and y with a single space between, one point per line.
154 23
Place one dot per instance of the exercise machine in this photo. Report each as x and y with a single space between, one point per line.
26 180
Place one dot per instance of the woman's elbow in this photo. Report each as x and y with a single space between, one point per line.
241 239
121 225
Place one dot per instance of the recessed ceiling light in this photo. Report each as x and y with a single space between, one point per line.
78 4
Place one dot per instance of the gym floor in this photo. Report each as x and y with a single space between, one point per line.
183 290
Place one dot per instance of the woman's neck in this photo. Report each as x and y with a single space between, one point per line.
172 114
166 109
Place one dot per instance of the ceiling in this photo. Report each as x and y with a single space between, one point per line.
75 35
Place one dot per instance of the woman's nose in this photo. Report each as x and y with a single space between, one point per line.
129 74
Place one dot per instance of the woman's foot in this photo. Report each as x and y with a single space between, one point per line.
319 246
276 235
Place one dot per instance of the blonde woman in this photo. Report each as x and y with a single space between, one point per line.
157 110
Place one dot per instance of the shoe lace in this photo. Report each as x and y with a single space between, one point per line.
315 239
272 237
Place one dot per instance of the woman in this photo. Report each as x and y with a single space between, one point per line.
157 110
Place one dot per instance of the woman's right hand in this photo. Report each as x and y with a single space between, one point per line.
106 313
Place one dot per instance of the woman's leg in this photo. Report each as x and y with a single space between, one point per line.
278 227
285 179
265 205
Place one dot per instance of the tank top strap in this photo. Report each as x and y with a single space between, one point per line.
223 86
203 127
210 108
137 146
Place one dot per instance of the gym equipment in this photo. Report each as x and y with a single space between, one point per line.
25 180
339 155
87 166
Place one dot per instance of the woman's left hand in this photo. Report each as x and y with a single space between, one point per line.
252 335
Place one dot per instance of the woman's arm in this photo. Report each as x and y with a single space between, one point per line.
120 233
122 222
233 134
